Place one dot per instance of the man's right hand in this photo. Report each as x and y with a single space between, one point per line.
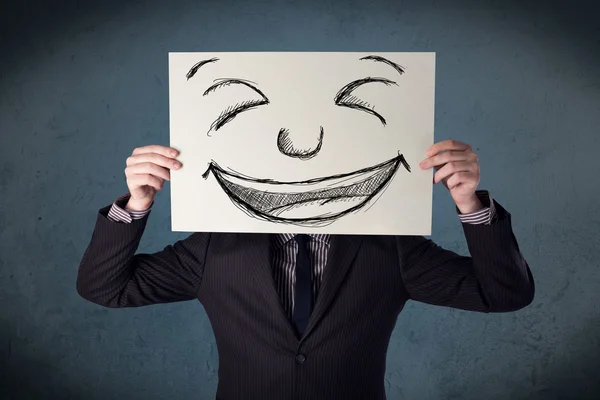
147 169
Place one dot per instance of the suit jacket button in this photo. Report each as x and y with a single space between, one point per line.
300 358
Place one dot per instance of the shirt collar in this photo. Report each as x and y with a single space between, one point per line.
282 238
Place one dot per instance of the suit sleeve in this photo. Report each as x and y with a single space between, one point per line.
495 278
111 274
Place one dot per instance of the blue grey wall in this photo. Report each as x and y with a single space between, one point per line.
83 83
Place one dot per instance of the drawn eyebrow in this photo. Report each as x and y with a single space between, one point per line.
375 58
232 111
392 64
344 97
197 66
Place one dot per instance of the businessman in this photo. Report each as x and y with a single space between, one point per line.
306 316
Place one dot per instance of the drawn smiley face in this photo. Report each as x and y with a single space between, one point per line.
315 202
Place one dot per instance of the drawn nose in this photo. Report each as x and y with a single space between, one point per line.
296 147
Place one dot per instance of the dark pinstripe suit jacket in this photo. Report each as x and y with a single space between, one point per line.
366 282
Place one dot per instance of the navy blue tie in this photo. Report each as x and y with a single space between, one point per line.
303 299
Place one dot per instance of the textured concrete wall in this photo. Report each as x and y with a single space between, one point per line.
83 84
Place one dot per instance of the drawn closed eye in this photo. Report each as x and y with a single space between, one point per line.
345 98
234 110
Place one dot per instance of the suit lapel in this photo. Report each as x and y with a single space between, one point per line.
259 255
341 255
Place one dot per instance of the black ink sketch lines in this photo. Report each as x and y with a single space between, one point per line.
232 111
344 97
311 203
392 64
197 66
286 146
315 202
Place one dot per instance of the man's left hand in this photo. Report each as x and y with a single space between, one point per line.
458 169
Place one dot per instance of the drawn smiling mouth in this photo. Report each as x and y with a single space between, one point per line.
313 202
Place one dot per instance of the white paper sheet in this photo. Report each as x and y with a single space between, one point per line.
302 142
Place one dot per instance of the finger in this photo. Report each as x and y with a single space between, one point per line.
156 148
446 145
461 178
139 180
154 158
148 168
453 168
448 156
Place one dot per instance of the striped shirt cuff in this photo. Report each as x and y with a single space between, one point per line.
485 216
117 212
